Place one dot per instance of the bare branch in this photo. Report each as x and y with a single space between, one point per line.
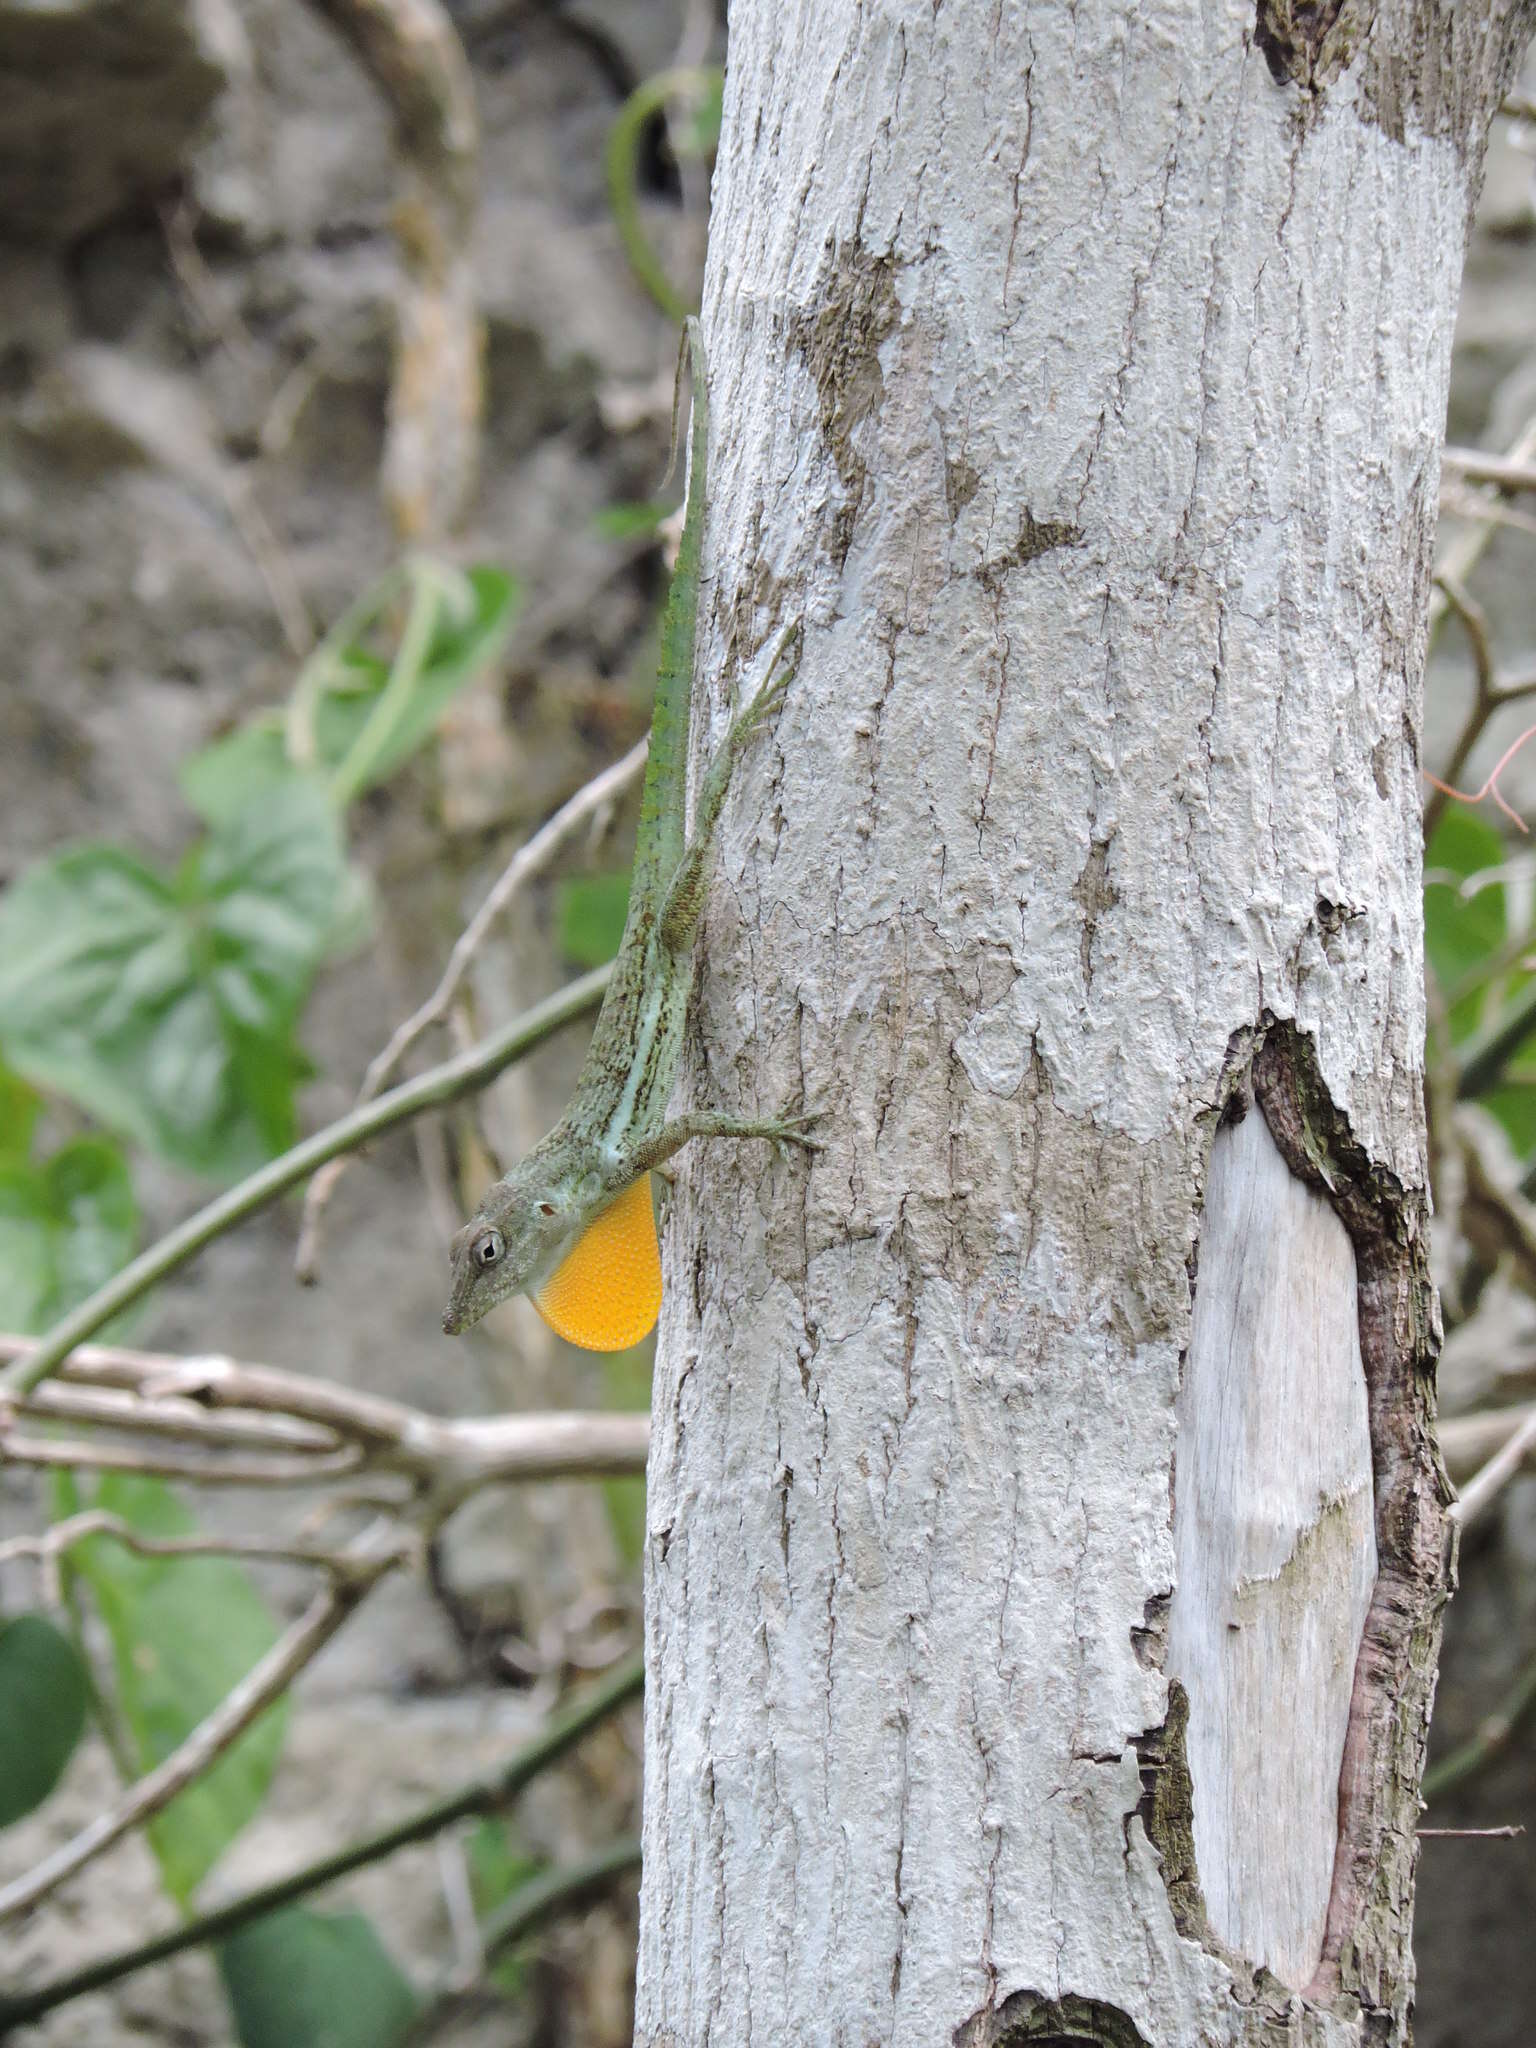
1490 1740
53 1542
92 1457
1490 784
166 1415
1464 553
410 50
588 804
1469 1441
562 1889
446 1457
1468 501
1478 466
1496 1474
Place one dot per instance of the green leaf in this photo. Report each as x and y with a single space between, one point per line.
627 1388
497 1868
1465 917
630 519
301 1979
225 777
1463 844
65 1228
42 1711
589 917
1467 934
167 1008
184 1630
474 616
366 716
18 1115
1515 1108
697 135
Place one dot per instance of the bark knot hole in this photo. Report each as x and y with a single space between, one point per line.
1031 2020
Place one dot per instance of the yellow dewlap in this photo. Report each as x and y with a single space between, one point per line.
606 1294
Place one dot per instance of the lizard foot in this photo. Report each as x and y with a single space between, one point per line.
791 1130
771 694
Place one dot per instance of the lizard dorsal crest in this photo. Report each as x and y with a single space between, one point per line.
606 1293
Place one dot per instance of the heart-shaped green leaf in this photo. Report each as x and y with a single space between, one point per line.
166 1007
300 1979
65 1227
42 1711
184 1630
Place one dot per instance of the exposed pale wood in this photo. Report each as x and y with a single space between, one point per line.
1274 1547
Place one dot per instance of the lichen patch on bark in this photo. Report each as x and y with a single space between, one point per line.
855 312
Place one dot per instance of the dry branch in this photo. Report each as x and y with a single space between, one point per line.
410 50
589 804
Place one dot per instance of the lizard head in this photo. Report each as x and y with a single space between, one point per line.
512 1242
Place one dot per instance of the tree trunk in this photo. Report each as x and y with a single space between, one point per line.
1047 1539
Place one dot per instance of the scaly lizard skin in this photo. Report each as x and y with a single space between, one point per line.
572 1224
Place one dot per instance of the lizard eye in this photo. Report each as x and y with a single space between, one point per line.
487 1248
546 1208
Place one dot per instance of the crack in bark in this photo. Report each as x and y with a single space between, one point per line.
1094 893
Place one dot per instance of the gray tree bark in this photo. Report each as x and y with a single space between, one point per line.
1046 1533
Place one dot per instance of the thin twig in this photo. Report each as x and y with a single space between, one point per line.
564 1888
1504 1834
164 1415
445 1083
1466 551
459 1899
1491 1738
531 858
265 549
1488 698
1478 466
54 1541
1480 1491
1469 1441
62 1452
481 1795
1490 785
374 1554
1469 501
304 379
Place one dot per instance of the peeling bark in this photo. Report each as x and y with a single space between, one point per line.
1078 377
1273 1547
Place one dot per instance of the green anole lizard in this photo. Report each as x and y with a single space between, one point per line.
572 1224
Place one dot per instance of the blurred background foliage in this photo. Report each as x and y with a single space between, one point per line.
235 851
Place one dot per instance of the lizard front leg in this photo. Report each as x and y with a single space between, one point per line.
685 893
708 1123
